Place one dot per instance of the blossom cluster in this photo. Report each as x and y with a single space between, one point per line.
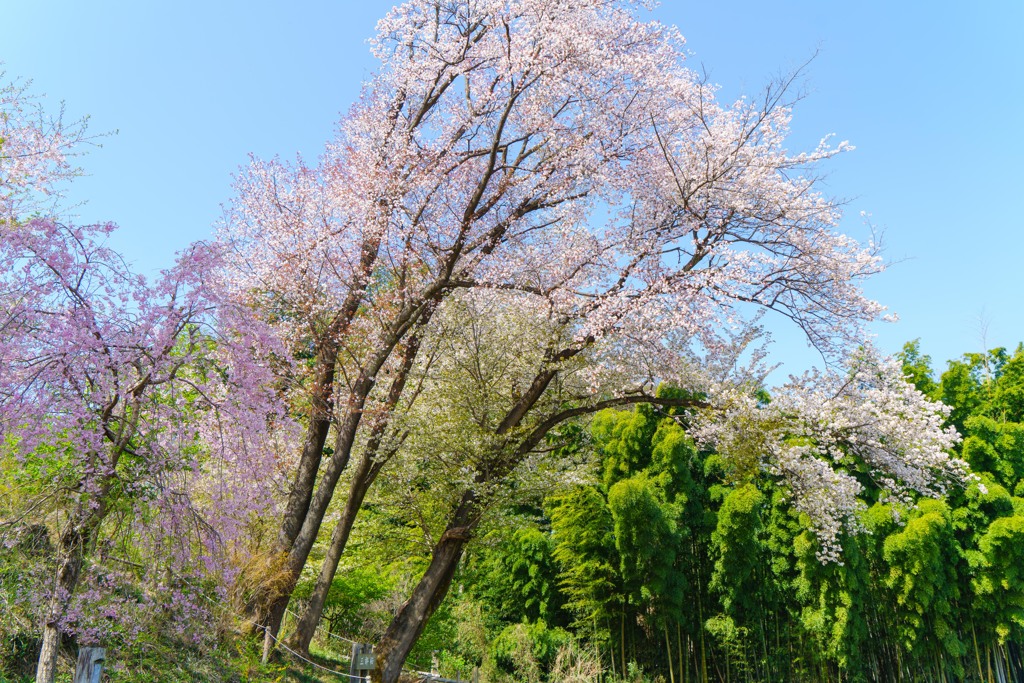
823 432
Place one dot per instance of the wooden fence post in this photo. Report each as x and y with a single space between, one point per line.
90 664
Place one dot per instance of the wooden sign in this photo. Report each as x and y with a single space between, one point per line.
363 660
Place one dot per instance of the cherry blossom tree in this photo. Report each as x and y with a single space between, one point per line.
118 392
84 376
560 151
36 152
481 421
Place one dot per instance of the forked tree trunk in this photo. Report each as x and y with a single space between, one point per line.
412 616
347 430
320 414
301 493
370 464
302 543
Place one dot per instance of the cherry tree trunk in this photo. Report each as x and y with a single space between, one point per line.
321 407
321 414
408 624
313 515
370 464
302 487
347 429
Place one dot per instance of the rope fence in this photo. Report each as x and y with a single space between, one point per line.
422 675
225 608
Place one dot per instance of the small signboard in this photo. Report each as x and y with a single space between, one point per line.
363 660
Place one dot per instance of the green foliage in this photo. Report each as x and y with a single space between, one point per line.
999 581
519 578
646 541
738 550
527 650
917 367
1008 392
976 507
672 459
835 598
922 575
963 389
582 528
996 448
350 600
625 441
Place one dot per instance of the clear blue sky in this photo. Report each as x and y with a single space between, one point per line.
932 95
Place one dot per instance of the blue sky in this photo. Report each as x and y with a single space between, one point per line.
932 95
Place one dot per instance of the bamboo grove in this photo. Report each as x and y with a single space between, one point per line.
672 563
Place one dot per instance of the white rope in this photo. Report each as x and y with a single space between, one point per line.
230 611
426 675
309 661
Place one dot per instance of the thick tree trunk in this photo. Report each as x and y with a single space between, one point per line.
46 669
321 409
412 617
313 516
347 430
322 403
